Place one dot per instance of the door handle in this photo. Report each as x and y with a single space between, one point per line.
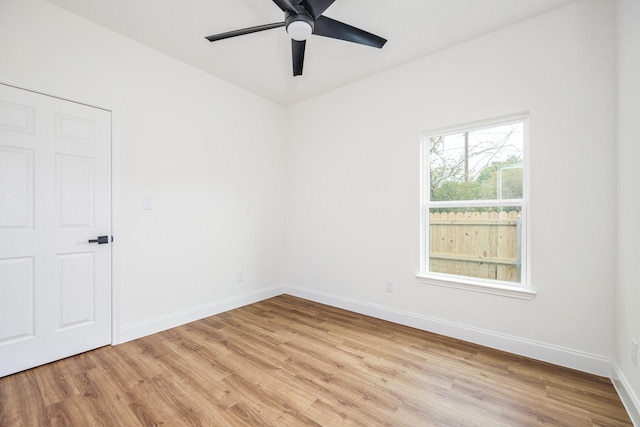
101 240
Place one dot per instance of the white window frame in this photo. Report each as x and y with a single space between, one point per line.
521 290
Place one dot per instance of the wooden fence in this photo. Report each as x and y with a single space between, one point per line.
476 244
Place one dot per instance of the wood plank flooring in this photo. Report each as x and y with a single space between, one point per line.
290 362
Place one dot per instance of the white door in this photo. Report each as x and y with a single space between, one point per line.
55 196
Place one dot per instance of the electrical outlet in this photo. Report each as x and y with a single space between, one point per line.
239 277
388 286
634 352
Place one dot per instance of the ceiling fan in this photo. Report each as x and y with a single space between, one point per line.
303 18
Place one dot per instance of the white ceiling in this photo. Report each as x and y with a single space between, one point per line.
261 62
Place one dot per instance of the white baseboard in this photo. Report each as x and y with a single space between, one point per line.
556 355
162 323
628 397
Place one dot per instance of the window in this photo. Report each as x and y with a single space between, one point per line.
474 207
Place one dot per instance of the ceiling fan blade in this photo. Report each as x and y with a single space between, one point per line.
244 31
328 27
297 52
285 5
316 7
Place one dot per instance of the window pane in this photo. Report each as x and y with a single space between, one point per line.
476 242
484 164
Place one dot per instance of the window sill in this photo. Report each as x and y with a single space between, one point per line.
477 286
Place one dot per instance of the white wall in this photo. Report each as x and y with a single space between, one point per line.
628 296
209 154
353 187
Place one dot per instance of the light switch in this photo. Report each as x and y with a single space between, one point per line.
147 204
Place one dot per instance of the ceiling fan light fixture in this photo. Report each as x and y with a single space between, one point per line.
299 30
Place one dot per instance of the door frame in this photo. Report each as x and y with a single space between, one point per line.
66 95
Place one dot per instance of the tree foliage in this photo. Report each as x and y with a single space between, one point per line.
479 169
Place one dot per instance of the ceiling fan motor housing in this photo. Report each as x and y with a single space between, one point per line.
303 17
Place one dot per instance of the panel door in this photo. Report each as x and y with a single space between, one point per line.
55 196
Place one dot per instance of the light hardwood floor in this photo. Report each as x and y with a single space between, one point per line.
290 362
